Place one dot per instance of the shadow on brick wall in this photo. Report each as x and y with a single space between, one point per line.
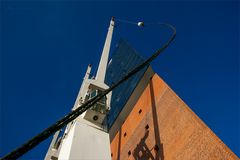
142 151
158 146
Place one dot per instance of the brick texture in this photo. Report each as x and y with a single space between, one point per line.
162 127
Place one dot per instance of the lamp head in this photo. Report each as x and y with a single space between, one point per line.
140 24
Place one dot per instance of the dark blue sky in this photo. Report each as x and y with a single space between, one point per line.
46 47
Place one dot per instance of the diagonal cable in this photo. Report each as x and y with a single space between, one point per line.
18 152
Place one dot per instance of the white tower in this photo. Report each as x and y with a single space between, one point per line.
86 137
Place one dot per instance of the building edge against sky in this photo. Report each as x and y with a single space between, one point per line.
146 120
86 137
159 125
153 122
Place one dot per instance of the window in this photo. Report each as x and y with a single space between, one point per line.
54 158
140 111
129 153
124 59
100 106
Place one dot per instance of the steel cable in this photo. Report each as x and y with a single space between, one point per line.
18 152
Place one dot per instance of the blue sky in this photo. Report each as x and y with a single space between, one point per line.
46 47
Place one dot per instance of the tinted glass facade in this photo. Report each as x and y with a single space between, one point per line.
123 60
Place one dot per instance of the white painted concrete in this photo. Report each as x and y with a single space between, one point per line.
86 142
105 53
83 139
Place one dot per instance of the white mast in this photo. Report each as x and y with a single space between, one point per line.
86 137
105 53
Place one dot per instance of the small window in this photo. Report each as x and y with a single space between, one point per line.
125 134
140 111
93 93
156 148
129 153
147 127
54 158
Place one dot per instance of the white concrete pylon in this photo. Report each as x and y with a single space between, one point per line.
87 74
83 138
100 77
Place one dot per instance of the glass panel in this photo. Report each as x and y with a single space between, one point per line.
93 94
100 106
124 59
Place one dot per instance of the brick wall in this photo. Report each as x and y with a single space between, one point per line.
162 127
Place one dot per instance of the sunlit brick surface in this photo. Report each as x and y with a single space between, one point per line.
174 132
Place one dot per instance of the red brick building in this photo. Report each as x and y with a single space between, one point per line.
159 125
